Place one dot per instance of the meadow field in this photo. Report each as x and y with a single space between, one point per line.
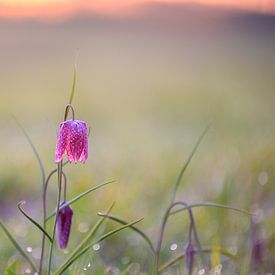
147 85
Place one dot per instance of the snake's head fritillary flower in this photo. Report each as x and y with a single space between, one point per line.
64 222
257 254
189 257
72 140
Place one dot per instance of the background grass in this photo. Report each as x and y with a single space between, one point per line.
147 86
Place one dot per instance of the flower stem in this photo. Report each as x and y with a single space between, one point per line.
164 221
44 199
59 171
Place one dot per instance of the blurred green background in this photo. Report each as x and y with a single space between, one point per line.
147 85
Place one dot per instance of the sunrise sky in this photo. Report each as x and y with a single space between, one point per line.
65 8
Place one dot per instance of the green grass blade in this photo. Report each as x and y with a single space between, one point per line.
41 166
73 86
33 221
211 204
86 239
141 233
18 247
100 239
177 183
78 197
179 257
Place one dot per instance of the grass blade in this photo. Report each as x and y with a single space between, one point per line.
33 221
41 166
100 239
74 82
81 195
18 247
211 204
177 183
141 233
87 238
179 257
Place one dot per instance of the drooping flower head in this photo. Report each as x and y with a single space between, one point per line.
64 222
72 140
189 257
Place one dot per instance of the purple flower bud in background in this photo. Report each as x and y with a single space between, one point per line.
72 140
257 251
189 254
64 222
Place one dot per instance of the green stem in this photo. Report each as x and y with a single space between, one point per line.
57 211
45 214
162 229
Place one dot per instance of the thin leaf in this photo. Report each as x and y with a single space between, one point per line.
211 204
100 239
41 166
17 246
141 233
75 199
179 257
177 183
33 221
74 82
87 238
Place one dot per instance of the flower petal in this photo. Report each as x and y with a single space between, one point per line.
75 144
61 141
84 154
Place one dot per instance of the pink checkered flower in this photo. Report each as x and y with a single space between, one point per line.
72 140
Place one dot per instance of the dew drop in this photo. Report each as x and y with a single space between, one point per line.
96 247
202 271
29 249
83 227
173 246
263 178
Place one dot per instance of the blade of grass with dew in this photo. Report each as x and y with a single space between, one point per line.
18 247
179 257
33 221
141 233
41 166
86 239
177 183
100 239
211 204
78 197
